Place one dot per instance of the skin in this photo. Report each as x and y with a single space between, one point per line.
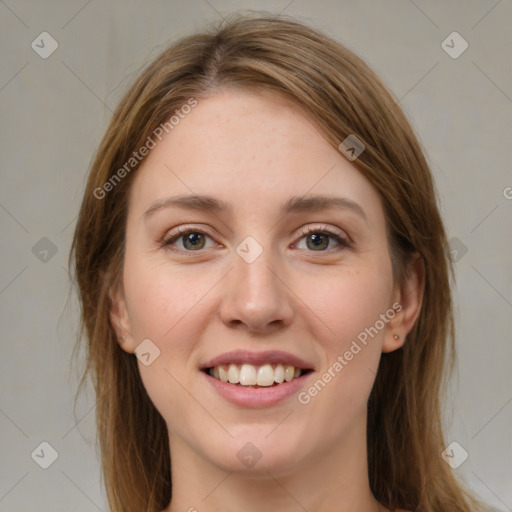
255 152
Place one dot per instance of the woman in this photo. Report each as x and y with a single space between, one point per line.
265 285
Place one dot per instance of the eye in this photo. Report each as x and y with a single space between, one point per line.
317 239
195 239
192 239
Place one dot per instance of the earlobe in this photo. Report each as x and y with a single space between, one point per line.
119 319
409 296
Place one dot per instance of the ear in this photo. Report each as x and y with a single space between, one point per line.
120 319
407 300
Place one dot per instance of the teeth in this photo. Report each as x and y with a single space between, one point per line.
279 374
265 375
233 374
223 374
288 373
250 375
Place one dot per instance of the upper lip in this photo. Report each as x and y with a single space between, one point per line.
257 358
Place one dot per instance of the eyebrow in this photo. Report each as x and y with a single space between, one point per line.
293 205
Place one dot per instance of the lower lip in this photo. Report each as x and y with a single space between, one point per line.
244 396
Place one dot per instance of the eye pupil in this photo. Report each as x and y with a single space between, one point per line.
194 238
317 239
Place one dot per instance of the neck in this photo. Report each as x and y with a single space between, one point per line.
334 480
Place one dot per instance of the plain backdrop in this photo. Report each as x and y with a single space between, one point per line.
54 111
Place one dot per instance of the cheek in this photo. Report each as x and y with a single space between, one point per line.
164 305
161 297
168 305
352 301
350 305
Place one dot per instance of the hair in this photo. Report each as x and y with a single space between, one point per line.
262 53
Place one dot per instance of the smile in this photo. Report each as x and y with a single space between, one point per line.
250 379
264 375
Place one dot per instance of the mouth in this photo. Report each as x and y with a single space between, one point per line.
269 369
256 376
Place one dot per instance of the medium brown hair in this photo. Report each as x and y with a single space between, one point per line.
265 53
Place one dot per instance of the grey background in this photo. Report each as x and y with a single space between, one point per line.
54 112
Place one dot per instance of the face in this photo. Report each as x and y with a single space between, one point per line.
262 277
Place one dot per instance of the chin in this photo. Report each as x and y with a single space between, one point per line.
258 453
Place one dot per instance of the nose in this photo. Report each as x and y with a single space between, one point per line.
256 297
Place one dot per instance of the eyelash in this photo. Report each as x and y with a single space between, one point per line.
182 231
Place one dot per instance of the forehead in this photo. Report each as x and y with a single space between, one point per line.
251 150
